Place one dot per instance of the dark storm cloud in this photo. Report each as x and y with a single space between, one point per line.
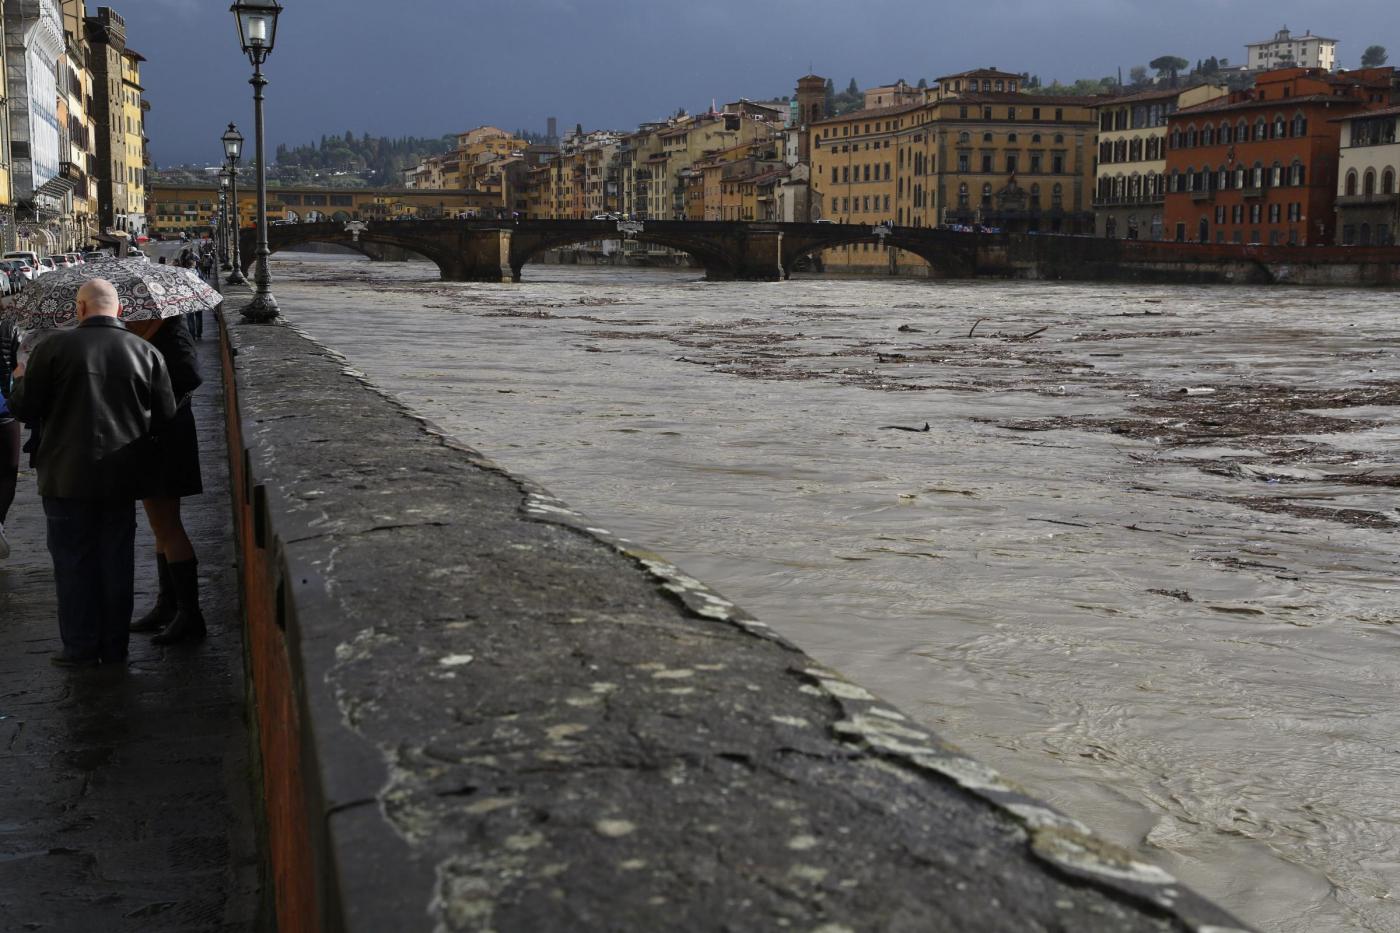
426 67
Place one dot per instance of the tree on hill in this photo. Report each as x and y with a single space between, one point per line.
923 84
830 97
1374 56
1138 76
852 89
1168 66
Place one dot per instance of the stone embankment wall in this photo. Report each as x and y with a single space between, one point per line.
478 710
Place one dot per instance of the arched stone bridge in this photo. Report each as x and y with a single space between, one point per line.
496 250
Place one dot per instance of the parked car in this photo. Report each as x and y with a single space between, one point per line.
6 287
19 270
75 258
137 254
97 255
30 257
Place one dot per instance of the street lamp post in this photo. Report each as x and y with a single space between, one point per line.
233 151
224 264
257 31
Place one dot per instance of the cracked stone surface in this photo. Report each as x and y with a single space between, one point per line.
520 723
126 798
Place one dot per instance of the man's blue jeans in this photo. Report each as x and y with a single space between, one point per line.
92 542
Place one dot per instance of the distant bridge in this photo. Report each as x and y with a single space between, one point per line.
497 250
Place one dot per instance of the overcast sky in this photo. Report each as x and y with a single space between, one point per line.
428 67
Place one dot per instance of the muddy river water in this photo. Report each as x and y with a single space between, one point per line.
1143 559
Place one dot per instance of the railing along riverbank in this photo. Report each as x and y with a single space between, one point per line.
479 710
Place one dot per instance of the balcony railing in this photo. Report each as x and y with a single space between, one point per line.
1252 191
1368 200
1143 200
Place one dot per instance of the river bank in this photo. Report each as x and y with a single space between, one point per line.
1179 656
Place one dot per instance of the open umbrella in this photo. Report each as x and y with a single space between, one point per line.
147 291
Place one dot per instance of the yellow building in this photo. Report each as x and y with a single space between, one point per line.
1003 160
79 223
133 122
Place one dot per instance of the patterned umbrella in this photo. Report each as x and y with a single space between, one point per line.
147 290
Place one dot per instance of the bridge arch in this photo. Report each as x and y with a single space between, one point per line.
375 243
526 245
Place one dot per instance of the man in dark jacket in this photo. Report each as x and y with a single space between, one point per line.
100 392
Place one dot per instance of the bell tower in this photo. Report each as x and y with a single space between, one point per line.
811 107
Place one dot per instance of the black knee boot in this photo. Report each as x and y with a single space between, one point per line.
164 610
188 624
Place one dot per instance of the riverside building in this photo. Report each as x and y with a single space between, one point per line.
1260 166
1368 187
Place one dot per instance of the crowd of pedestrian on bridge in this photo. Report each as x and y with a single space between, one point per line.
99 362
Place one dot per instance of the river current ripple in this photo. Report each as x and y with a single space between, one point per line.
1175 643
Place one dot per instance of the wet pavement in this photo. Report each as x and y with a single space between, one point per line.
126 797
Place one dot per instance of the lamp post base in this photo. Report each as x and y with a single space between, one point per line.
226 266
262 309
235 277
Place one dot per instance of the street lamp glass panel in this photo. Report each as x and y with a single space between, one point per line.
233 143
257 24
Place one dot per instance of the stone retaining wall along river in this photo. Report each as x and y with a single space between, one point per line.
480 710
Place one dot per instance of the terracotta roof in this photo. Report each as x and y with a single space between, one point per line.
1384 112
1064 100
1154 94
878 113
1224 104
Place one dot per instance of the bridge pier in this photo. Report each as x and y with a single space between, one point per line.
481 256
756 257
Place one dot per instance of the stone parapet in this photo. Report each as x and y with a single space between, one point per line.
481 711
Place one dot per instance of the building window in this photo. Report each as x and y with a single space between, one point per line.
1011 163
1387 181
986 113
1273 213
1057 164
987 195
962 195
1035 113
963 159
1350 188
986 162
1368 182
1035 163
1057 197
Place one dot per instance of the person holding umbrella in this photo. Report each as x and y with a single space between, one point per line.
101 392
154 299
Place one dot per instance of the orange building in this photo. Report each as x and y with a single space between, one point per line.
1260 166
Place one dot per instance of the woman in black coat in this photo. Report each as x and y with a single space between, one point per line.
176 612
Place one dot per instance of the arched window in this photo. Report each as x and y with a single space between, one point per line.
1261 129
1368 182
987 195
1057 196
1191 136
962 195
1351 183
1135 151
1300 125
1241 131
1224 132
1011 137
1280 126
1035 137
1176 139
1105 188
1239 176
1388 181
964 137
986 137
1059 139
1295 174
1208 136
1035 195
1276 176
1257 176
1134 186
1223 181
1120 151
1105 152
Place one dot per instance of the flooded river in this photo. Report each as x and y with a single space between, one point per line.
1143 560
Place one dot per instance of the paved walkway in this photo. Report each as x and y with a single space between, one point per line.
126 799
